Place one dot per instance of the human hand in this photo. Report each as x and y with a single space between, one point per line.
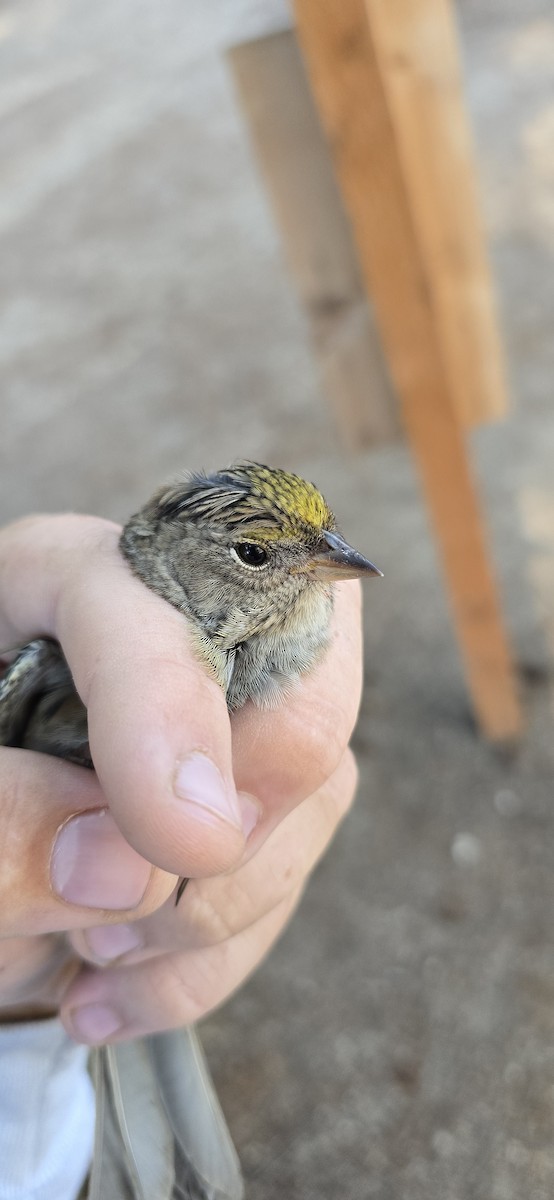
152 707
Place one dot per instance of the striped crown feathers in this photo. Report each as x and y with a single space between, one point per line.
260 500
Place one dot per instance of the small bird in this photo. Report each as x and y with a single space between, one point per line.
249 555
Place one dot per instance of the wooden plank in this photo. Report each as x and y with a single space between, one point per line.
416 47
298 172
341 58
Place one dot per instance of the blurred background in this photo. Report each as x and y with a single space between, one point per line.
398 1042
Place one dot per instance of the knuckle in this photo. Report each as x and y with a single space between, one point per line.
22 841
323 740
345 783
338 793
161 996
222 908
211 922
189 989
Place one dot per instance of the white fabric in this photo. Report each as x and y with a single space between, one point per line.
46 1113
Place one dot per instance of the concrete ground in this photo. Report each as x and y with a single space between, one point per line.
398 1043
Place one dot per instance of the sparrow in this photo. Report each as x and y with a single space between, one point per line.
249 555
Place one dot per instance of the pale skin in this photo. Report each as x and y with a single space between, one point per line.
286 780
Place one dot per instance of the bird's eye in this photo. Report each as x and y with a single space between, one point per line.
249 554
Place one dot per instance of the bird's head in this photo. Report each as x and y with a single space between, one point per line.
238 549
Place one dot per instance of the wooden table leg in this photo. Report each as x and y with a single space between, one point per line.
416 52
298 171
342 59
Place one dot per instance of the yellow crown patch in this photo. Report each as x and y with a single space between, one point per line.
255 500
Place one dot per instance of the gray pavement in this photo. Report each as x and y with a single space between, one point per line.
398 1044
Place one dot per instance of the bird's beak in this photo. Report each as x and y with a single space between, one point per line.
336 560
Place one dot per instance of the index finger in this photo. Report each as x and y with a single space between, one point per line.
158 724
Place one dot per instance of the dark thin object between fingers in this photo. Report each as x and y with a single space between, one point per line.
180 889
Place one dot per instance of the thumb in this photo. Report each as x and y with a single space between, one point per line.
65 864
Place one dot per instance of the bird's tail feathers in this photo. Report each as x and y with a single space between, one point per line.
160 1132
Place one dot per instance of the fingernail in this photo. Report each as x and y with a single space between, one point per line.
250 812
199 783
95 1022
94 866
111 941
